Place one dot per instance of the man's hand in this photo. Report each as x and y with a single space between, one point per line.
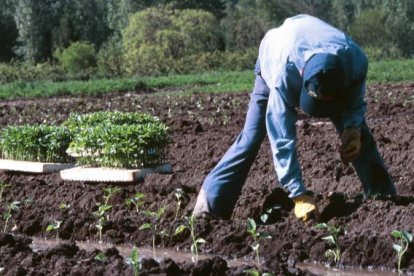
306 208
351 145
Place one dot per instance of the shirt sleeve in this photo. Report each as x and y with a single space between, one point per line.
280 122
355 106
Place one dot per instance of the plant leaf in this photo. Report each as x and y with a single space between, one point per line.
397 248
407 236
330 239
180 229
145 226
255 246
264 235
134 255
396 234
50 228
251 224
200 240
321 226
264 218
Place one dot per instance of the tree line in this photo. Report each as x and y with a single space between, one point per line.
164 36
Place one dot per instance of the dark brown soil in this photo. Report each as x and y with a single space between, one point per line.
203 127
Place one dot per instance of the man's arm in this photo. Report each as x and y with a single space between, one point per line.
355 106
280 122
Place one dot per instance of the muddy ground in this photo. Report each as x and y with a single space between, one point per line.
203 127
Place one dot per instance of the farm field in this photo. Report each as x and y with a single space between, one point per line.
203 126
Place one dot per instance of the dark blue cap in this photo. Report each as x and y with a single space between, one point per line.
323 82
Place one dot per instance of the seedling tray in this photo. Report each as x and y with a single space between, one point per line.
111 174
33 167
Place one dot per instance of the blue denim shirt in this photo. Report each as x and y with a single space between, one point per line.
283 54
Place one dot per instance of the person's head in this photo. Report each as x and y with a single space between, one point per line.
323 83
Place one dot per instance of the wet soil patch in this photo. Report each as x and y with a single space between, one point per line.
203 126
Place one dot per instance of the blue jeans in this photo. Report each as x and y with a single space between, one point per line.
369 165
224 183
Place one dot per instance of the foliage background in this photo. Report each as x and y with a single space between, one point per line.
122 38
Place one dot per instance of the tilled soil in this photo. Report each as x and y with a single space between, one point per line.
203 126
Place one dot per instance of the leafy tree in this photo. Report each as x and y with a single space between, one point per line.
110 58
156 37
81 21
216 7
400 21
8 31
368 28
244 26
34 20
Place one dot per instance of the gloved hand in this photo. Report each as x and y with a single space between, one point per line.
305 207
351 144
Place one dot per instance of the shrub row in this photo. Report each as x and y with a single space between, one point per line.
107 68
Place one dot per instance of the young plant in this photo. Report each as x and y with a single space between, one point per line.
54 226
63 205
154 225
3 186
133 261
28 201
269 211
254 272
179 195
190 224
118 140
103 208
39 143
257 236
136 200
333 239
8 213
100 257
405 238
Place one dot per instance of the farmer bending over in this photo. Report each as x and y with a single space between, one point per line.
309 64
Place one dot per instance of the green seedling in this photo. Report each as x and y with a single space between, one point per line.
190 224
257 236
179 195
3 186
63 205
265 216
54 226
28 201
8 213
333 239
254 272
118 140
154 225
133 261
103 208
100 257
405 238
39 143
136 200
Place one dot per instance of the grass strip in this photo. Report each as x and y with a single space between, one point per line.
212 82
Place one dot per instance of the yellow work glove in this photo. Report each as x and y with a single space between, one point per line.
351 144
305 207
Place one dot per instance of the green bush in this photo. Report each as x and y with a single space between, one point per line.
79 57
24 71
38 143
110 58
157 37
382 53
119 140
